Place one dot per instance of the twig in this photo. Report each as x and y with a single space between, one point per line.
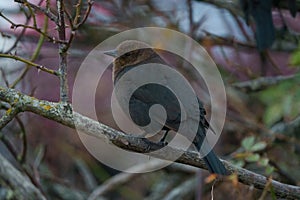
85 16
30 63
23 188
22 156
34 55
85 172
8 116
191 18
261 83
3 74
284 174
14 26
219 40
122 178
181 191
10 147
288 129
45 11
167 182
61 28
20 36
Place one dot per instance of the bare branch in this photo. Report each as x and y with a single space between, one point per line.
61 28
122 178
181 191
8 116
85 16
37 29
23 188
289 129
34 55
46 11
261 83
30 63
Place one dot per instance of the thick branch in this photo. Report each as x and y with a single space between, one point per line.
58 112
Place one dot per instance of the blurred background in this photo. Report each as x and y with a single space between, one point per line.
262 87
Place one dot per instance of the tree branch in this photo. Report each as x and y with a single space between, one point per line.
58 113
23 188
61 28
261 83
45 11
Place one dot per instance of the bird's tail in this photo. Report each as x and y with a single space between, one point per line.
214 164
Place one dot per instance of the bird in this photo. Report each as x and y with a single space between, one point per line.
131 54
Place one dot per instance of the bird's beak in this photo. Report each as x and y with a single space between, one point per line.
112 53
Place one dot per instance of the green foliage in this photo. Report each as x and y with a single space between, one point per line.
250 146
295 58
281 101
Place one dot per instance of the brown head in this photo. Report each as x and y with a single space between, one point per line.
130 53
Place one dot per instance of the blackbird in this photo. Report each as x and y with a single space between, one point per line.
130 54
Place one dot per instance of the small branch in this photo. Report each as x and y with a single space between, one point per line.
85 16
9 146
14 26
261 83
230 41
288 129
183 190
8 116
22 155
30 63
34 55
283 173
58 113
77 12
122 178
191 18
45 11
23 188
61 28
20 36
76 24
89 179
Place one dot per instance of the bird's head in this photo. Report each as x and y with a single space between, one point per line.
130 53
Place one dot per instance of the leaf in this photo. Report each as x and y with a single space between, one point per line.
248 142
258 146
253 157
295 58
287 104
269 169
263 162
211 178
273 114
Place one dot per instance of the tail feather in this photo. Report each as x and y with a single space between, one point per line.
214 164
